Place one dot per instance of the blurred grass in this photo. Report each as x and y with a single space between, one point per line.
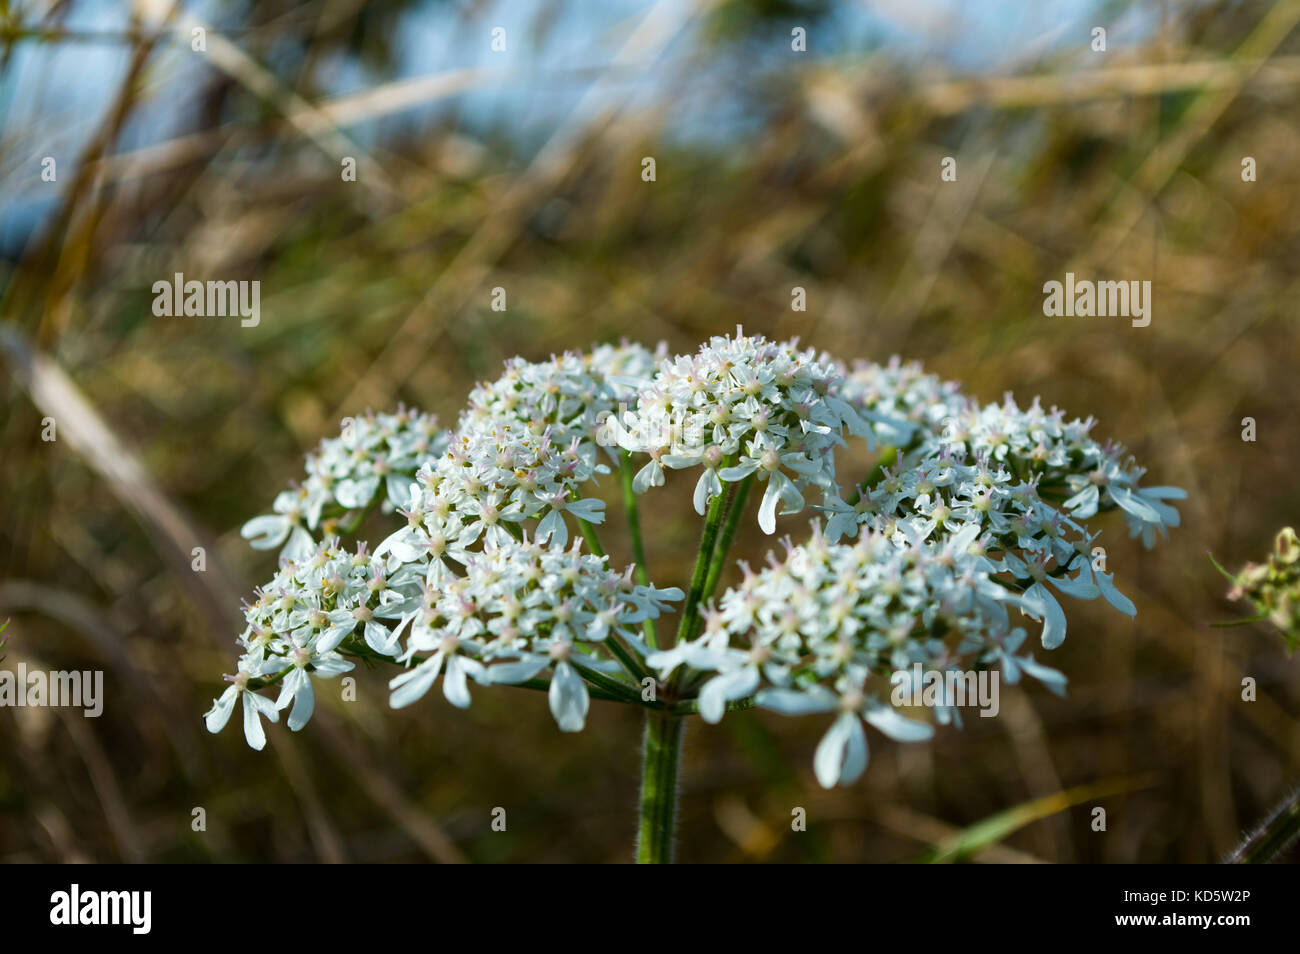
1126 166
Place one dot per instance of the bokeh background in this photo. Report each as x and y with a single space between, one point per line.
522 169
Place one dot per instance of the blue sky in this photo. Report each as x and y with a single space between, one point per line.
54 96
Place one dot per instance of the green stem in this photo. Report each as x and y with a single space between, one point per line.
593 541
736 511
633 518
691 609
1271 840
661 757
610 686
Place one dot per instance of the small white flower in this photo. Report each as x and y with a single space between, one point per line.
254 705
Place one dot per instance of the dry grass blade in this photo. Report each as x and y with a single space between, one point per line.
215 591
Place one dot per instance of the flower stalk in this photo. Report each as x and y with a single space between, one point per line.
719 560
660 762
703 560
971 521
1274 836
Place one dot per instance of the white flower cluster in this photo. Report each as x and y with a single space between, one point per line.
571 395
927 418
524 446
743 406
973 510
1017 485
516 610
519 610
900 399
523 450
1060 456
345 475
296 626
816 631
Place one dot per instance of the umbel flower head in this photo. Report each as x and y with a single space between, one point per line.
376 456
824 628
520 610
743 407
515 610
524 455
970 533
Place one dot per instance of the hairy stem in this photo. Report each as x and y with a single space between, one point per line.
610 686
593 541
660 759
691 609
734 513
1277 833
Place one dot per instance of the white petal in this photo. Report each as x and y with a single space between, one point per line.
706 488
1053 615
553 528
568 697
398 488
454 686
513 673
896 726
300 545
253 705
842 753
1106 582
414 683
304 704
1135 505
288 688
217 717
1164 493
1049 677
590 510
790 495
330 638
722 689
795 702
739 472
767 509
356 493
330 665
1079 586
651 475
380 638
266 532
1083 504
960 541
